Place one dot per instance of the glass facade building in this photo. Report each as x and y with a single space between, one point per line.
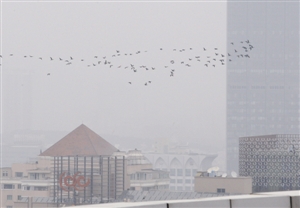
263 87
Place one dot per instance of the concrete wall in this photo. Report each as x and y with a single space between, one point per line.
231 185
270 200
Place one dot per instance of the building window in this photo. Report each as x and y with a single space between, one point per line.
179 172
9 207
19 197
173 180
19 186
5 173
18 174
40 188
188 181
220 190
188 172
172 172
8 186
9 197
179 180
34 176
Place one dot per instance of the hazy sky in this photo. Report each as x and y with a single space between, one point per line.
191 105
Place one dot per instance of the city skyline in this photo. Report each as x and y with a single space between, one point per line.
189 105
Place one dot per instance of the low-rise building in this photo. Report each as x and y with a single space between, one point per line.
141 173
24 180
205 182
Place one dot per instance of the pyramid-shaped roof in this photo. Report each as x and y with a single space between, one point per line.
82 141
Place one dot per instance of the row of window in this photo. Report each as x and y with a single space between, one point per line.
187 181
10 197
179 172
33 176
28 188
11 186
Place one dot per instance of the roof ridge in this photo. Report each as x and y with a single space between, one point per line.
90 138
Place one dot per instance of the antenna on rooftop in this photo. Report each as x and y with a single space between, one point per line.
224 175
233 174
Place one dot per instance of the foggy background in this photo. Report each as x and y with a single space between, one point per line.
188 108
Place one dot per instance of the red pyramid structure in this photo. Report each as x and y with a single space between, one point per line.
82 141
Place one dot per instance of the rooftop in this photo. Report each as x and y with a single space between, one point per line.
82 141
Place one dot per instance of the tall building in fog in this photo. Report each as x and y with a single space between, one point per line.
263 90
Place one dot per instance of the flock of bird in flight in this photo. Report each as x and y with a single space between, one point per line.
212 58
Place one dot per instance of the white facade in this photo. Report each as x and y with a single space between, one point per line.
182 168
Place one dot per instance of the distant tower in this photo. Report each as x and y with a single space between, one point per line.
263 90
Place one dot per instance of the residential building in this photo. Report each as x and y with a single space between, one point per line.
25 180
273 161
262 89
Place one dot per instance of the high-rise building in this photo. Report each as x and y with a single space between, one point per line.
263 88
